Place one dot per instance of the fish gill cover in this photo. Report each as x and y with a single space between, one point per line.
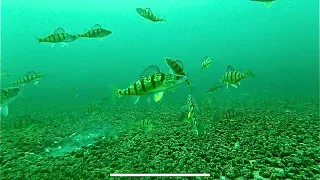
229 88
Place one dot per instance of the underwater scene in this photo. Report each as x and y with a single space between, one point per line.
159 89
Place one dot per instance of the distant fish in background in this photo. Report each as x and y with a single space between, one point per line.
214 88
92 110
190 114
266 2
230 114
59 36
30 77
206 62
5 74
147 14
23 121
96 31
190 107
144 124
7 96
234 77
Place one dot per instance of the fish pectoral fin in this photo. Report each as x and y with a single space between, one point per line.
137 100
52 45
239 83
101 39
158 96
227 86
268 4
233 85
36 82
64 44
4 111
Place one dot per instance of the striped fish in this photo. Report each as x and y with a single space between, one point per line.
206 62
230 114
156 83
22 121
176 67
7 96
92 110
191 107
59 36
198 125
29 77
233 77
145 124
96 32
147 14
214 88
5 74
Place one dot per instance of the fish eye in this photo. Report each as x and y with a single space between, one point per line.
178 77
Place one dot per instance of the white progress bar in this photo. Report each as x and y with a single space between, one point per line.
159 175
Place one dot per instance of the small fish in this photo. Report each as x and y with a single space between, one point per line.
156 83
96 31
266 2
92 110
233 77
147 14
145 124
214 88
59 36
30 77
198 125
5 74
7 96
230 114
23 121
191 107
176 67
206 62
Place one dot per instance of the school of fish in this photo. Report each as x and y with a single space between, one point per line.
152 81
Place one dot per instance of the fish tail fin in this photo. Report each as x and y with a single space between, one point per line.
114 92
40 40
164 18
118 93
190 84
250 73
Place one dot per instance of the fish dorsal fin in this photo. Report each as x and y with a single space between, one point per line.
230 68
59 30
180 63
31 73
148 9
96 26
150 70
